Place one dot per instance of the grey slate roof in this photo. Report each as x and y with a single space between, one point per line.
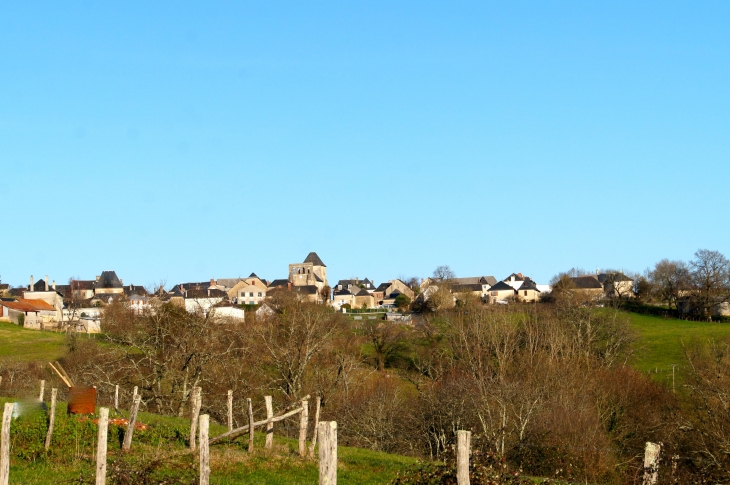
108 279
587 283
528 284
464 287
614 277
135 290
306 289
314 259
279 282
501 286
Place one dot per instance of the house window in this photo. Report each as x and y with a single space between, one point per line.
525 292
251 294
494 293
259 294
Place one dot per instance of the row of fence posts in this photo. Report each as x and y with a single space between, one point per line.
199 428
200 424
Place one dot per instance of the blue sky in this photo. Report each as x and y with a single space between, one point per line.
179 141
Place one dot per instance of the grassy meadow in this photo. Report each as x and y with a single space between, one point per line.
72 454
661 340
21 344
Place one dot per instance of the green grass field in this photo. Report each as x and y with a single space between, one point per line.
661 340
72 455
22 344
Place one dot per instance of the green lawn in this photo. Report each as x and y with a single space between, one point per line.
22 344
661 339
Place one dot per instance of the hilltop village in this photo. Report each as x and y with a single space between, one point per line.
78 304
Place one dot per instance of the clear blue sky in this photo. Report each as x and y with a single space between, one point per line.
181 141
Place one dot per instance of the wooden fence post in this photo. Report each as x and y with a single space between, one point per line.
5 444
134 393
52 418
327 453
116 398
43 390
127 444
194 413
251 426
303 423
101 446
463 445
314 429
230 410
270 425
204 451
651 463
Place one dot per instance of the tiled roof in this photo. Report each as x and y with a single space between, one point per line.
28 305
314 259
587 282
501 286
108 279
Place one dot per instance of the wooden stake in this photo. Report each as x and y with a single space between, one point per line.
194 413
52 418
101 446
327 453
63 378
315 428
65 374
251 425
134 393
463 445
43 390
5 444
303 423
230 410
204 451
285 413
127 444
270 425
651 463
116 398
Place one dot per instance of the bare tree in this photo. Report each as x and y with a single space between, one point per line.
670 279
443 274
710 277
293 336
388 339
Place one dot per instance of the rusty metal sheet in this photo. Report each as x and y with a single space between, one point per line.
82 400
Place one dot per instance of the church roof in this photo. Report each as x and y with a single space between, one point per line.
314 259
108 279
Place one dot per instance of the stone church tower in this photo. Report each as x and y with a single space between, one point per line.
312 272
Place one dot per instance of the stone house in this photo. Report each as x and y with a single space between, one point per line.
501 292
588 286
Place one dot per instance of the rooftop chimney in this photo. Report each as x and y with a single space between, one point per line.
98 278
46 282
121 281
212 282
53 285
30 288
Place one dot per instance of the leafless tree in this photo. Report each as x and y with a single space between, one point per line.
443 274
388 340
670 279
293 336
710 277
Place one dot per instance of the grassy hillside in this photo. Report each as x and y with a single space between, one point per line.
71 457
661 339
26 345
